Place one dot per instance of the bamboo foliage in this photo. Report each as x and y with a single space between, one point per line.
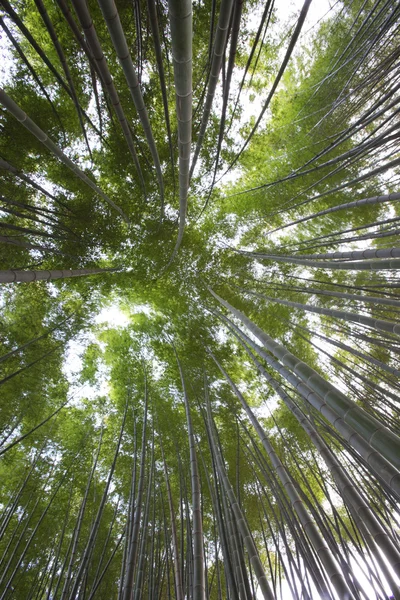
159 439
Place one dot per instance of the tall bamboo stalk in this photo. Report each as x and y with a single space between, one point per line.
134 539
240 518
27 122
180 19
328 560
12 276
377 435
111 16
198 544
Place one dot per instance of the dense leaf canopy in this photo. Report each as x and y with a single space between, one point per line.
199 300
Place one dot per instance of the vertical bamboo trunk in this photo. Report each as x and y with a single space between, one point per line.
31 538
95 527
139 581
175 551
78 524
362 265
345 206
93 42
49 26
327 559
12 276
241 520
155 30
198 546
378 324
180 19
231 588
216 63
380 466
111 16
134 541
11 169
100 579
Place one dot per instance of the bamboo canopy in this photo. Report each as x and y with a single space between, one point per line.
199 300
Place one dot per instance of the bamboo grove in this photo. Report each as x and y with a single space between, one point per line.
200 316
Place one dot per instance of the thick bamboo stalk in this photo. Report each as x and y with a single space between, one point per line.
377 435
357 254
344 206
362 265
358 297
374 459
12 276
83 13
379 324
23 118
348 489
180 19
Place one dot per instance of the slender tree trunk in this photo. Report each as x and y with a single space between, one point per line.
374 459
134 542
180 19
175 552
241 521
199 576
322 550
